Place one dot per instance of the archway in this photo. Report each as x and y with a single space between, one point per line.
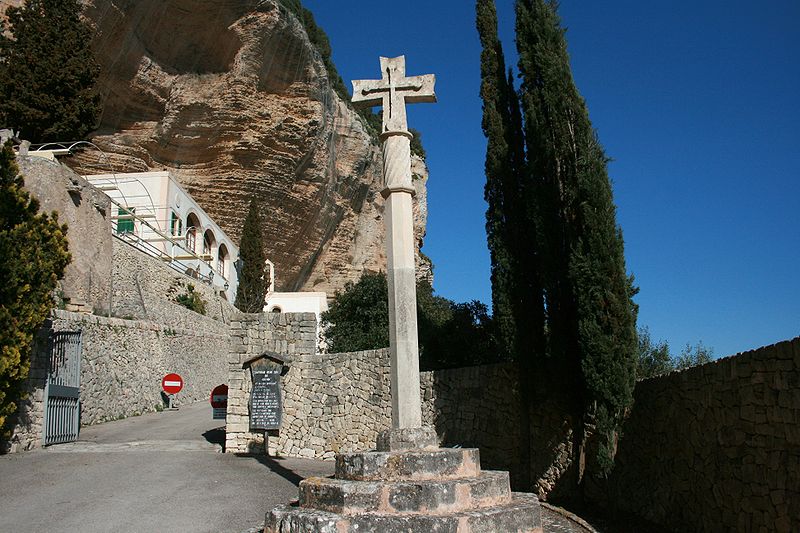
192 227
209 242
222 261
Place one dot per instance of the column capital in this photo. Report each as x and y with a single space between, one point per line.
398 188
403 133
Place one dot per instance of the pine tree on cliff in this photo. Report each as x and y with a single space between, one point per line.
34 251
47 72
253 276
591 316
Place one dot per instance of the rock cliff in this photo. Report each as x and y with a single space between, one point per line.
233 98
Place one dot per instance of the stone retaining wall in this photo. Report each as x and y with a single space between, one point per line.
715 447
339 402
144 288
87 278
122 363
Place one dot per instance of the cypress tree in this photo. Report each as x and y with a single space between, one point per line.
511 225
253 277
34 251
495 124
590 313
48 72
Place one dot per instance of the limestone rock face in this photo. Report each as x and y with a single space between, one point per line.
232 98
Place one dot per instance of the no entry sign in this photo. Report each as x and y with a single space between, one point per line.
219 402
172 383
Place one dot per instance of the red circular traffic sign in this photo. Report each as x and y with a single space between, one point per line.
172 383
219 397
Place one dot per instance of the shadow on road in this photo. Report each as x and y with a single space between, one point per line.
273 464
216 436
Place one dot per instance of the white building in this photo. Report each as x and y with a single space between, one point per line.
293 302
155 214
296 302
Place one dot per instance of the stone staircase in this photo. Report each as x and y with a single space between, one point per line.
430 490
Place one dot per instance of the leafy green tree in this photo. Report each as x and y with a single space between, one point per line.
653 357
450 334
358 317
587 293
48 72
690 356
33 248
253 276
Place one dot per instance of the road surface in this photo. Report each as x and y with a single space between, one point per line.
155 472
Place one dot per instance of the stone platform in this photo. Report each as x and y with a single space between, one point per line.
430 490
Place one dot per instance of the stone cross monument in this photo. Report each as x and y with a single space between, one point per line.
408 483
393 91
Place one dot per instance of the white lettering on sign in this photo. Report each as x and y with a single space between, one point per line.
173 383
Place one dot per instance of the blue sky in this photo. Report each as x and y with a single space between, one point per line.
695 102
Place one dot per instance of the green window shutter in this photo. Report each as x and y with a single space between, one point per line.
125 220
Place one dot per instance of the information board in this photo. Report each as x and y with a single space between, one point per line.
265 397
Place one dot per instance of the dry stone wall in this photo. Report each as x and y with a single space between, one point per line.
122 363
337 403
715 447
145 288
292 335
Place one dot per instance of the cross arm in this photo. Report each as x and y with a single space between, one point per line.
368 93
422 89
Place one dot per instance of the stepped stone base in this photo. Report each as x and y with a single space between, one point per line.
405 490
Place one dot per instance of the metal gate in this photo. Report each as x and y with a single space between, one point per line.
62 390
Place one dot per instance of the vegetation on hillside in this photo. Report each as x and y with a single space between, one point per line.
47 72
34 251
320 40
450 334
253 277
562 296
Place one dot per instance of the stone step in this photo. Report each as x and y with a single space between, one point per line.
521 515
431 496
410 465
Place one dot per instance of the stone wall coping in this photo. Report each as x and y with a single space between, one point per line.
139 324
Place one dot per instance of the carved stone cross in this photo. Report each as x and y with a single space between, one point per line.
393 91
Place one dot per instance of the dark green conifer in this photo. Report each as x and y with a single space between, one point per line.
47 72
590 314
499 173
33 248
511 226
253 275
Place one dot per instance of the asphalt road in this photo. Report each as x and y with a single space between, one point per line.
152 473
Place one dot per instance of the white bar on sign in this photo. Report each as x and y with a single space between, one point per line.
173 383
